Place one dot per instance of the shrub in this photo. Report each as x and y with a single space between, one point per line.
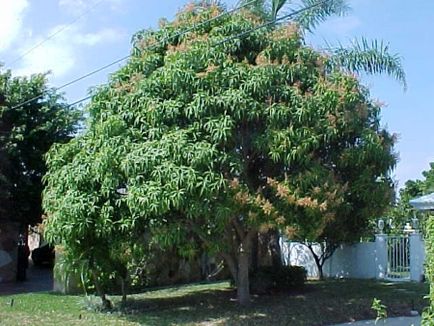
291 277
284 278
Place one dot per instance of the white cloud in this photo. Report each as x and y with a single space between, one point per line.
79 7
104 35
11 14
63 52
55 57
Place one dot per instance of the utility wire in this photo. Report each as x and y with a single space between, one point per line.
188 30
230 38
60 30
129 55
245 33
271 22
80 100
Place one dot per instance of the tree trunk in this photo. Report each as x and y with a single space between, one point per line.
243 287
106 303
124 291
232 264
243 284
255 253
317 262
268 249
239 267
320 271
326 252
275 250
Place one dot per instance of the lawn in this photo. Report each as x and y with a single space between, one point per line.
321 303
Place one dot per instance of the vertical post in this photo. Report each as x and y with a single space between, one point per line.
402 265
380 256
417 257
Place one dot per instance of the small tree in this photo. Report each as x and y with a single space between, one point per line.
347 186
87 214
401 211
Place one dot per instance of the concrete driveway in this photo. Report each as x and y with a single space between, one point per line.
39 279
398 321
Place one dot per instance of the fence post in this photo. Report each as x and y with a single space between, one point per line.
417 257
380 256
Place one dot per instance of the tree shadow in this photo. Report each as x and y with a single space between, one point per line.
207 306
318 303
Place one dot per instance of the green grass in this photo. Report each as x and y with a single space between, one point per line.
321 303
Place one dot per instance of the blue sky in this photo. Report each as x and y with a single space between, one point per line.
96 32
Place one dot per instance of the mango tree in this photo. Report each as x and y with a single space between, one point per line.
202 129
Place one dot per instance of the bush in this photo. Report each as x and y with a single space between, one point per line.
291 277
284 278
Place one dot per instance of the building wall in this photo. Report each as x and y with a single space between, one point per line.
8 251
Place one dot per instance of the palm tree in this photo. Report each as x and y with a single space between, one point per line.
362 56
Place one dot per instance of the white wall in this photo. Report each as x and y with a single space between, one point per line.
297 254
361 260
345 261
417 257
352 261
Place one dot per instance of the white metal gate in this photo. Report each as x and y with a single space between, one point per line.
398 258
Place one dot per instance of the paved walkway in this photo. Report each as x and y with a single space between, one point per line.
39 279
398 321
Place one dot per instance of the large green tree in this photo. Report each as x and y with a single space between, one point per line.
203 131
26 133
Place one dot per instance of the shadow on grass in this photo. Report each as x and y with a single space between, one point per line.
320 303
204 306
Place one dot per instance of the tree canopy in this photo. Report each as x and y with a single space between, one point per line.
217 138
26 133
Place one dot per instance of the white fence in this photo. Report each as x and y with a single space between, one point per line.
384 258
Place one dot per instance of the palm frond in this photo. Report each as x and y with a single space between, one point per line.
372 57
276 5
316 14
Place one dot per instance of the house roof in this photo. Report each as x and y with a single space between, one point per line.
423 203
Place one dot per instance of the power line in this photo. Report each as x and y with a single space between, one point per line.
129 55
271 22
67 106
245 33
60 30
188 30
230 38
80 100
